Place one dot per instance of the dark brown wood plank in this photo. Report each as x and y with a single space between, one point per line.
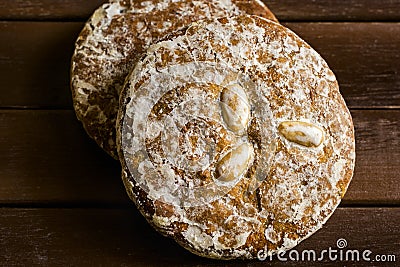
47 9
98 237
34 61
46 157
285 10
377 158
335 10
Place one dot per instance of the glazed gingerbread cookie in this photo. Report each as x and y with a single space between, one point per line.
234 138
113 39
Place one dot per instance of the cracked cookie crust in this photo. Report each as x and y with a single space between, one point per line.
234 138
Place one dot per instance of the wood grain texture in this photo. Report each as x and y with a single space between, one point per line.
377 158
335 10
101 237
47 158
285 10
48 9
34 61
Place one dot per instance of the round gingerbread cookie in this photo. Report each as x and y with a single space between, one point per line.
113 39
234 138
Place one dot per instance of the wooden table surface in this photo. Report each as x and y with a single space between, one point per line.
61 197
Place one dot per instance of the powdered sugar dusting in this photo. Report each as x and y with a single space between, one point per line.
288 190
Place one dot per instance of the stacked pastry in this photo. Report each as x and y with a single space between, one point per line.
231 131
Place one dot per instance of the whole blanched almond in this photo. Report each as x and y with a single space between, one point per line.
302 133
235 108
235 163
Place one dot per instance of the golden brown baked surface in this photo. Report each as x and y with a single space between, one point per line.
112 41
234 138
